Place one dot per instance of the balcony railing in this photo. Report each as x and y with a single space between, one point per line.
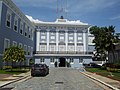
60 52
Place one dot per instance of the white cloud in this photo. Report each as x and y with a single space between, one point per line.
77 22
116 17
67 21
33 20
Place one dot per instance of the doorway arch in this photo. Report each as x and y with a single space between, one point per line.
62 62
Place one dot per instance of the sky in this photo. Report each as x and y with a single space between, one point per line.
94 12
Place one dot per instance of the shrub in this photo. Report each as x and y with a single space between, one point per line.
7 67
113 69
103 67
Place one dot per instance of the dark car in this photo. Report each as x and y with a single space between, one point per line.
39 69
94 65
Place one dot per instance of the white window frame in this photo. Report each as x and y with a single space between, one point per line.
43 33
61 37
25 49
43 37
70 38
8 20
29 35
31 51
20 45
14 43
15 24
80 60
21 27
26 29
80 34
5 43
79 38
52 37
42 60
28 50
52 60
32 34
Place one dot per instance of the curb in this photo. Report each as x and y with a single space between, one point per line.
108 85
18 79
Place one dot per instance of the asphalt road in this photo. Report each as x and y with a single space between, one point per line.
58 79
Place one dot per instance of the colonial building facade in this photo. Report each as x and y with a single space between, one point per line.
15 29
63 41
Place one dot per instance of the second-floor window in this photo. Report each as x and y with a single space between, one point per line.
26 29
8 20
16 24
21 28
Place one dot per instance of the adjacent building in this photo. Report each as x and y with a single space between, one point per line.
15 29
63 41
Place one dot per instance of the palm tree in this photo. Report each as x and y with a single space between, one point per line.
104 40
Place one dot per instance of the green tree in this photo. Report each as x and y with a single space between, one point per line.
14 54
104 41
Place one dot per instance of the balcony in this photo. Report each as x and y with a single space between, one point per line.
61 53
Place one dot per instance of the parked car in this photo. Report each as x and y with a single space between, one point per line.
39 69
94 65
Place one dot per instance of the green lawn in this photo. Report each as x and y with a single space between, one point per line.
113 75
13 71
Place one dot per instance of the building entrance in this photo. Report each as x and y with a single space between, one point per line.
62 62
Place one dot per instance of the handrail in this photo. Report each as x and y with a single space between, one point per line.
60 52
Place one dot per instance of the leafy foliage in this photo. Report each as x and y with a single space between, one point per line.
14 54
104 40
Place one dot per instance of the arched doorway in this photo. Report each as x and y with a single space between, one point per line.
62 62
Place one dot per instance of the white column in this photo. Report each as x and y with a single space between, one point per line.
47 40
38 41
84 42
75 40
57 38
66 40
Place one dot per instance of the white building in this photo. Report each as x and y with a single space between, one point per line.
63 41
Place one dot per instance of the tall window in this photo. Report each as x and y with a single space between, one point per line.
29 36
52 60
42 60
31 51
14 43
26 28
21 28
28 50
80 60
25 49
8 19
32 33
16 24
20 45
6 44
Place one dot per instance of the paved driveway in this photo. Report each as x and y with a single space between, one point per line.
58 79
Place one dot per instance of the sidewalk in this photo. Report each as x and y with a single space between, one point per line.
104 80
13 78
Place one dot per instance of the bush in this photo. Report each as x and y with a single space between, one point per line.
113 69
103 67
7 67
